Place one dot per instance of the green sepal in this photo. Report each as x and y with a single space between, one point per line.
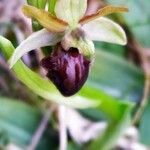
51 7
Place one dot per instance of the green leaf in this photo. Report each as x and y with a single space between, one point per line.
138 19
113 131
74 146
36 40
116 77
111 48
104 29
19 121
119 114
110 106
71 11
93 114
14 119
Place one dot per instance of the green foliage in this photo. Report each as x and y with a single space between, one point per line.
113 131
116 76
18 122
14 118
138 18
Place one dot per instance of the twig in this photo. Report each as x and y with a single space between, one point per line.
144 101
40 130
145 64
62 128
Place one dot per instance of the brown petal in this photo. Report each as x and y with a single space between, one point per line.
48 21
103 12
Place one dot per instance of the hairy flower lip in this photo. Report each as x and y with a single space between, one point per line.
68 70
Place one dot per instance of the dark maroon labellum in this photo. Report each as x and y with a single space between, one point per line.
68 70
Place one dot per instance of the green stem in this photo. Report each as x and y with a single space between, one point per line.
114 130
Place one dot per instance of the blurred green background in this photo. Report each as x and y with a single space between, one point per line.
116 72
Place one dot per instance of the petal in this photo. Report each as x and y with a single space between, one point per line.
71 11
103 12
106 30
45 19
38 39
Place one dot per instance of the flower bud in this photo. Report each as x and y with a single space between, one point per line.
68 70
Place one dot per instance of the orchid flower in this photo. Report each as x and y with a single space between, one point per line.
72 33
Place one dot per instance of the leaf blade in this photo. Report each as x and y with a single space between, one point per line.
114 130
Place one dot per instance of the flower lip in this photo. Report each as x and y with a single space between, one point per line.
68 70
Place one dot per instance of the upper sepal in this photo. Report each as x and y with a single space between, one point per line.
71 11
